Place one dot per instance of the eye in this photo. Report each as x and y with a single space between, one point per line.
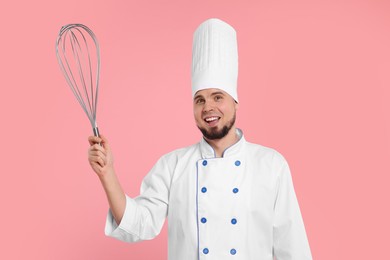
218 98
199 101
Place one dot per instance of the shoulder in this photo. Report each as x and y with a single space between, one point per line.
260 152
181 153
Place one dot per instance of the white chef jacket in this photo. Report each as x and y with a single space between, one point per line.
241 206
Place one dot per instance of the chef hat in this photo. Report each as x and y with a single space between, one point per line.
215 57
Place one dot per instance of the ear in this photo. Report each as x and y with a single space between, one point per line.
236 105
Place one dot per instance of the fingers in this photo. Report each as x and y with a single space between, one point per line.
97 160
99 140
97 147
97 157
96 167
104 142
97 150
99 153
94 140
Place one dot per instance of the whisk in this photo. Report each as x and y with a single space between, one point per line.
78 55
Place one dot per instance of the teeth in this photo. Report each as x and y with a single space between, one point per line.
209 119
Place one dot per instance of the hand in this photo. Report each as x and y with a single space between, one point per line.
100 156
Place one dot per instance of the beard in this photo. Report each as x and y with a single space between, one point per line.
214 133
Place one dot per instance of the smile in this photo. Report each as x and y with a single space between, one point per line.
211 119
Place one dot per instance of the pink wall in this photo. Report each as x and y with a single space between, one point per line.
314 84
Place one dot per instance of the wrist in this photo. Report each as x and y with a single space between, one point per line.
107 175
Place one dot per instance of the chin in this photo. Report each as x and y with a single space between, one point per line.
217 132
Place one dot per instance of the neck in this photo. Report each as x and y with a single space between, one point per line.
220 145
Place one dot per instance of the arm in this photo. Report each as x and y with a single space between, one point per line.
101 160
129 219
290 241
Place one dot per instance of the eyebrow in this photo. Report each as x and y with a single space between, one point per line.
197 97
212 94
217 93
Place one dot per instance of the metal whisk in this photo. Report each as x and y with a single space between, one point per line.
78 55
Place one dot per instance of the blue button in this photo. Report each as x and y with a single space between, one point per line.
204 189
205 251
234 221
203 220
237 163
233 251
204 163
235 190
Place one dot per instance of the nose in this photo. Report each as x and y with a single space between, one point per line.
207 107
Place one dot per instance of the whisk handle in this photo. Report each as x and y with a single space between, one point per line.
96 131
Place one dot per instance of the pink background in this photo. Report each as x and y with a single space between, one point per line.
314 84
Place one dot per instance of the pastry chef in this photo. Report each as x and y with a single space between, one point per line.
224 197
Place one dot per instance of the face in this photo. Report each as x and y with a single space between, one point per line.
214 112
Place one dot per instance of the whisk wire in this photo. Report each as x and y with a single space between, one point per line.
76 60
71 81
74 85
76 50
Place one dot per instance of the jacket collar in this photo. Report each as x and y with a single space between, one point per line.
208 152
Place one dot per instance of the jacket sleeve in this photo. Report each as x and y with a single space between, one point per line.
290 240
144 216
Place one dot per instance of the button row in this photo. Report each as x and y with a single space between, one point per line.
204 190
232 251
237 163
233 221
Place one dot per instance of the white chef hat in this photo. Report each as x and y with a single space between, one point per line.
215 57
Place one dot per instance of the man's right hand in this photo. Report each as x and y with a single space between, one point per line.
101 160
100 156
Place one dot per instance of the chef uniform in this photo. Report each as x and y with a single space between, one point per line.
241 206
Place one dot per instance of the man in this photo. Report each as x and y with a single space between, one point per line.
225 198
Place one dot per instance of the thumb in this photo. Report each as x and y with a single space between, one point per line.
105 142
